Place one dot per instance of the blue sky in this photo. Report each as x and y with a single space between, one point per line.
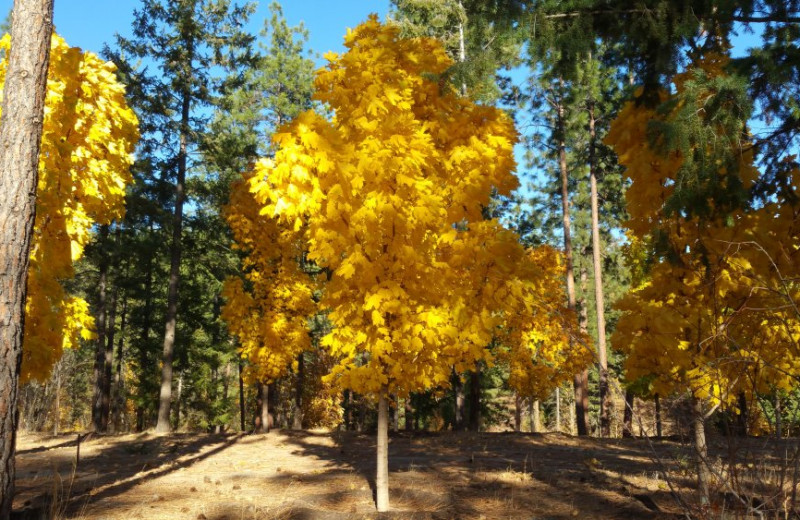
91 23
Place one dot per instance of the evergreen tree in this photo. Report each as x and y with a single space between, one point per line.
186 41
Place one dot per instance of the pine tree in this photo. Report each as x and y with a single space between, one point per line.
186 40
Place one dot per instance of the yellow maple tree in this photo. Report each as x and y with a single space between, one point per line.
268 308
389 194
88 137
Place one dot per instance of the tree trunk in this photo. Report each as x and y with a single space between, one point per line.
475 399
395 414
119 381
570 275
558 409
408 414
458 399
262 401
778 418
241 398
145 340
108 362
536 422
165 395
177 420
658 416
582 379
20 137
382 474
700 449
602 360
57 399
100 350
742 419
297 420
517 413
627 414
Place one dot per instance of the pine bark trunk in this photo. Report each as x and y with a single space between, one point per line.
20 138
99 373
297 419
382 474
165 394
568 256
602 358
627 414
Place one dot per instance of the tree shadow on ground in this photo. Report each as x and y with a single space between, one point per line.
466 475
108 467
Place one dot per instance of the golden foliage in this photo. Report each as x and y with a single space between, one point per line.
389 196
721 317
88 137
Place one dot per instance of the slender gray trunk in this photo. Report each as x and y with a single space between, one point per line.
458 400
20 138
517 413
659 424
558 409
382 474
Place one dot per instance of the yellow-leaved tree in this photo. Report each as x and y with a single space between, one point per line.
267 310
716 316
88 137
389 194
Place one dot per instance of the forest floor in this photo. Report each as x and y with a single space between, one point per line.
321 475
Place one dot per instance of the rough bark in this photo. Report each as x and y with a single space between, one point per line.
602 359
627 415
517 413
176 248
536 422
99 374
382 474
108 361
20 137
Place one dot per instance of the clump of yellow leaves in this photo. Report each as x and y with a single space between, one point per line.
267 311
389 196
721 317
88 137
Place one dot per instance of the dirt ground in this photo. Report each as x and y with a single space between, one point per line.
321 475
